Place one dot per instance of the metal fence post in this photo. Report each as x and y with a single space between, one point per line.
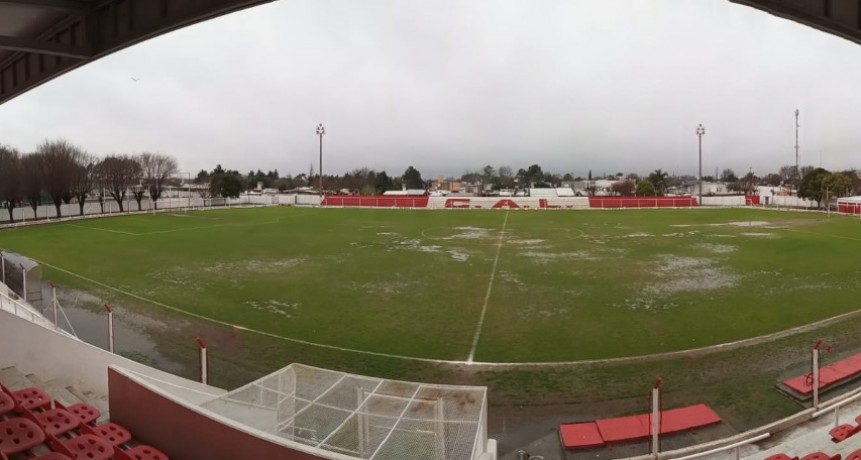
110 328
203 370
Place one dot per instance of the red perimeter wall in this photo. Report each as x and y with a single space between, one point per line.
600 202
376 201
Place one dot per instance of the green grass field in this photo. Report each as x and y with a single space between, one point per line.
553 286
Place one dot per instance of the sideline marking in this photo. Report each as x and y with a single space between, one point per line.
477 335
104 230
236 326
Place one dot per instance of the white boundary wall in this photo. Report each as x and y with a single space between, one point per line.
92 208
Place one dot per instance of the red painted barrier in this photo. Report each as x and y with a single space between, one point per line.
752 200
376 201
601 202
849 208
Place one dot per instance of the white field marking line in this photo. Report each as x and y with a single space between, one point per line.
243 328
820 234
478 328
105 230
204 227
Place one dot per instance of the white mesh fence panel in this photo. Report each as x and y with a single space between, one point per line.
362 417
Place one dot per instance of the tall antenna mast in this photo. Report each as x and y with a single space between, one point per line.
797 171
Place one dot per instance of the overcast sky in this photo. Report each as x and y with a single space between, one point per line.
453 85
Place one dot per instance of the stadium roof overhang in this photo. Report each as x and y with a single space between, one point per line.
42 39
837 17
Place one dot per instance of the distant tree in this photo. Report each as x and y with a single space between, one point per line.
118 174
838 184
624 187
855 188
812 185
487 174
504 177
138 191
658 179
531 176
31 174
773 179
805 170
413 178
470 177
84 179
645 188
157 170
728 175
568 177
11 180
58 167
225 183
787 173
633 176
589 177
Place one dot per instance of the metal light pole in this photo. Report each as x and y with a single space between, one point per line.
701 131
797 171
320 131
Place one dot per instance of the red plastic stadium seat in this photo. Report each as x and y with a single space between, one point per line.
113 433
843 432
854 455
85 446
86 413
6 403
781 456
141 452
31 398
56 421
19 435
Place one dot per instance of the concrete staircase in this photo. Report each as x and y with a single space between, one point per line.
14 379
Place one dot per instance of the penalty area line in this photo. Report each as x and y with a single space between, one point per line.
480 325
243 328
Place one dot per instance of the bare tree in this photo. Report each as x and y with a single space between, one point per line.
157 171
11 192
625 187
85 179
59 168
31 180
118 173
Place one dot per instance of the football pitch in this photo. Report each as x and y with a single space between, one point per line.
483 286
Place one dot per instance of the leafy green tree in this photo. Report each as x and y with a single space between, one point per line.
413 178
838 184
813 185
658 179
645 188
382 182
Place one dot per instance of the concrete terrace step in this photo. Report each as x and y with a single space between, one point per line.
35 381
60 392
14 379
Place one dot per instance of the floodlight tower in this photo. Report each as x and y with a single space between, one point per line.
701 131
320 131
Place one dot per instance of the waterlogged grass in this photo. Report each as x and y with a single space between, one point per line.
566 285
